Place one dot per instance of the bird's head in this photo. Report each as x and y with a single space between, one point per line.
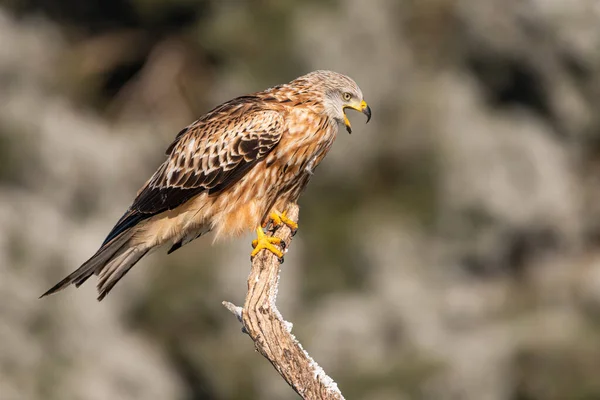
339 93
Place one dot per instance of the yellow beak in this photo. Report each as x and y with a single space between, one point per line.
363 108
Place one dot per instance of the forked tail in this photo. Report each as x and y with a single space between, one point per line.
111 262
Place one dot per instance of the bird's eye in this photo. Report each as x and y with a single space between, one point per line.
346 96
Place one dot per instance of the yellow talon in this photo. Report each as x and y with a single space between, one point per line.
264 242
275 218
281 218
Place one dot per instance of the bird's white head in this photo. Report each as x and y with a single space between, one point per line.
339 92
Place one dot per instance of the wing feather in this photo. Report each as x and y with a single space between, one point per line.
209 155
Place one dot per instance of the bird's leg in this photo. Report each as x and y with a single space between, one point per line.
264 242
281 218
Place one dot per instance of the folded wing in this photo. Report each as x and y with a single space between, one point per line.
209 155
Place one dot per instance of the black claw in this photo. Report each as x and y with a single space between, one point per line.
280 259
282 245
294 231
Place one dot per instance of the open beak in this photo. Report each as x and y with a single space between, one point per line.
363 108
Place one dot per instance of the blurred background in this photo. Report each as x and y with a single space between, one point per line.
448 250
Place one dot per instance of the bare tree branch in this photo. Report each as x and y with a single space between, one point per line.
272 334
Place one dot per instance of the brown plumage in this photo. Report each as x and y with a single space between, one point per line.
228 172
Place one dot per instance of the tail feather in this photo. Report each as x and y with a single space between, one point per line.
117 268
116 257
95 264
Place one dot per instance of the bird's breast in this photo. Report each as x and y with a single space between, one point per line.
300 151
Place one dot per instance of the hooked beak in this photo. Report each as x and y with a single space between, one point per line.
363 108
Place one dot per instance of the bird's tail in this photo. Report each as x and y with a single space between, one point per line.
111 262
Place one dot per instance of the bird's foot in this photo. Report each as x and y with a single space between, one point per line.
281 218
264 242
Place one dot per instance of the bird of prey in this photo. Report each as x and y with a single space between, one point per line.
235 169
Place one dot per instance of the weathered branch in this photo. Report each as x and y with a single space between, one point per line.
272 335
